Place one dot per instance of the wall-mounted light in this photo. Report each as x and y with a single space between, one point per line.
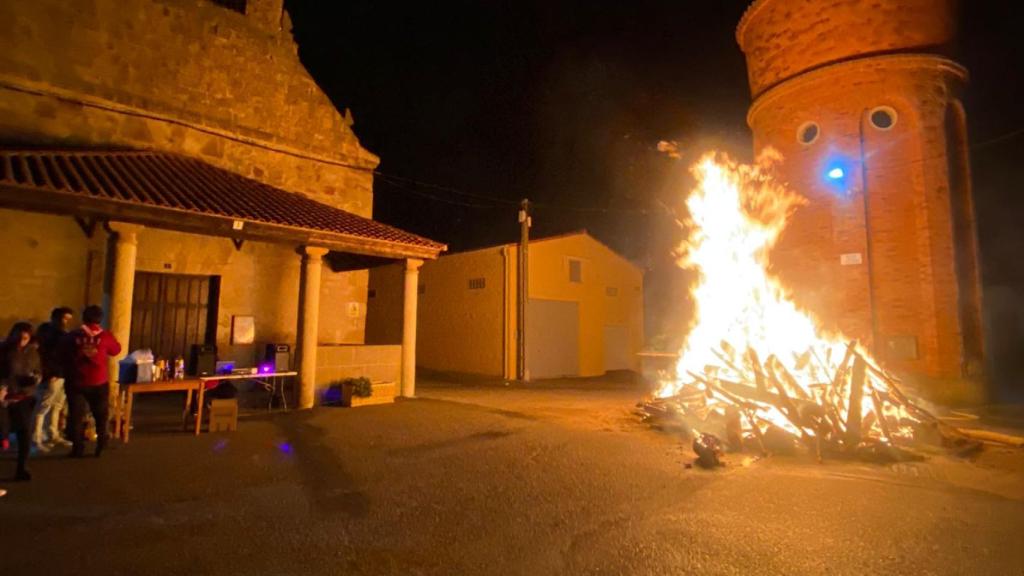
836 174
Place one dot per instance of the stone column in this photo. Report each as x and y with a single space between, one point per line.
122 286
310 325
412 281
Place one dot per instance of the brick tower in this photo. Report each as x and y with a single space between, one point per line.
860 100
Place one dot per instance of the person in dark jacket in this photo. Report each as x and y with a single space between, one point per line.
19 374
86 352
50 395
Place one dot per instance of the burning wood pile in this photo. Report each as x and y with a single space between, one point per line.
850 408
755 368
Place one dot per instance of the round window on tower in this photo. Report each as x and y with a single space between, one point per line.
883 117
807 133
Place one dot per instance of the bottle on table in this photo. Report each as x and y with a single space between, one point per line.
179 368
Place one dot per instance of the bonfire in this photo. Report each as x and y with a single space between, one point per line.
754 366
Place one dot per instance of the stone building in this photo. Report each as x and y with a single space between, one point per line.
864 105
174 160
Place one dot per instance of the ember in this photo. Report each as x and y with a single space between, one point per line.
756 361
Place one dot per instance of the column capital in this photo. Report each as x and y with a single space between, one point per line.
315 251
125 232
413 264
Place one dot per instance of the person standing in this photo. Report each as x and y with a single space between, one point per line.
86 352
19 374
50 396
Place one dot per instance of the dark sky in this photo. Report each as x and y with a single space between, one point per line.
559 102
563 102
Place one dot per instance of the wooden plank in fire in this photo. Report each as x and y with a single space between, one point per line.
748 409
853 415
789 380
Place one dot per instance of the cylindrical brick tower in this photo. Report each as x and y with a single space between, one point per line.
864 107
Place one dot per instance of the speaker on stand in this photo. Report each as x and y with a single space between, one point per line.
278 356
202 360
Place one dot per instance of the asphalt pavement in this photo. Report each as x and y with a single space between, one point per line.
548 478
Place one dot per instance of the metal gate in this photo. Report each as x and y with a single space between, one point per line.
171 312
553 338
616 348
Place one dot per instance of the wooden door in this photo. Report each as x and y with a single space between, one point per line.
171 312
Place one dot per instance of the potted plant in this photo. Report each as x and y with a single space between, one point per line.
361 392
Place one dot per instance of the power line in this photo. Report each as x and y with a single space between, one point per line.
396 182
998 139
396 186
445 188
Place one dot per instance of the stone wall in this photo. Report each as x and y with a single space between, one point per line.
193 78
907 286
183 76
51 263
37 276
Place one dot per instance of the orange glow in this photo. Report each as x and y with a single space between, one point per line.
746 330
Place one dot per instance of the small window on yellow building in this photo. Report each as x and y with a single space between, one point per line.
477 283
422 289
575 271
611 291
371 293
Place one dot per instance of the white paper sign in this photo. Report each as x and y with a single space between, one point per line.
243 329
851 259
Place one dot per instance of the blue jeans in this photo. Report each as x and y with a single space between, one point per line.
50 402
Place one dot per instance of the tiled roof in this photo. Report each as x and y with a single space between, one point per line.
182 184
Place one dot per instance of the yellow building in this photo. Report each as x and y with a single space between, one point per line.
584 316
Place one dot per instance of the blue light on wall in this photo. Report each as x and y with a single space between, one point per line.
836 174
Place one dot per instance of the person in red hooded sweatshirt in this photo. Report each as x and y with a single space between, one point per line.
86 352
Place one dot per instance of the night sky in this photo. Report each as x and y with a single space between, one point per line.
473 106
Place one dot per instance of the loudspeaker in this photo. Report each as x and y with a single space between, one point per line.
280 355
202 360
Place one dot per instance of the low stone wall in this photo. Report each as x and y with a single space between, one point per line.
378 363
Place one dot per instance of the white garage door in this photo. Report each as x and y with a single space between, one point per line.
552 338
616 348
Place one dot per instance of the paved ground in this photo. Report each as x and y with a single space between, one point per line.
549 479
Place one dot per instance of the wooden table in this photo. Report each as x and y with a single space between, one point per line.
188 386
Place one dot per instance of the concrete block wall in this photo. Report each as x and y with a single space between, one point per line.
381 363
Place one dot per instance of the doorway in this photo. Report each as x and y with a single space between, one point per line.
171 312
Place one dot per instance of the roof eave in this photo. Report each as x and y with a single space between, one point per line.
61 203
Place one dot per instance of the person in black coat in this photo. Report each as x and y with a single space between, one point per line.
19 374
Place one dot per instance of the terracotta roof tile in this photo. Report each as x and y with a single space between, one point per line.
171 181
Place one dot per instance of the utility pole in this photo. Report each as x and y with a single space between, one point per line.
522 295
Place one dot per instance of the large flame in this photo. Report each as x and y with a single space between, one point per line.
746 329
